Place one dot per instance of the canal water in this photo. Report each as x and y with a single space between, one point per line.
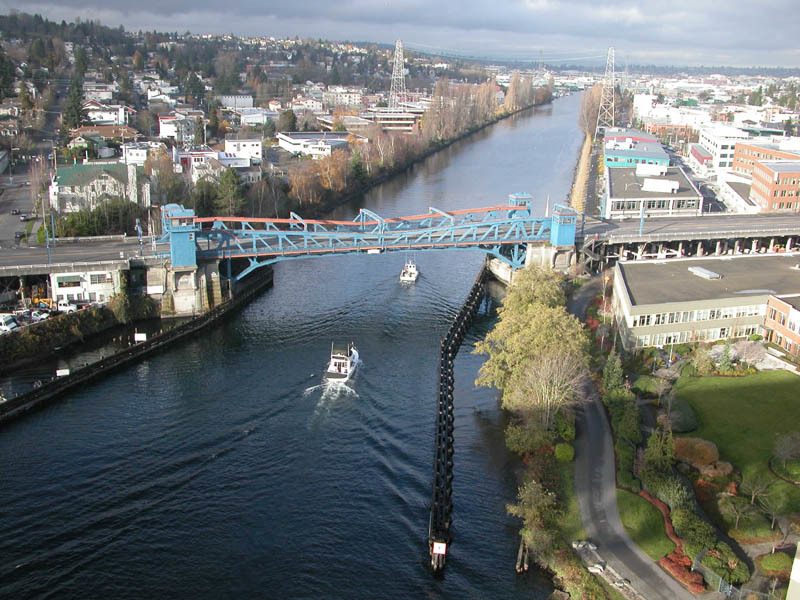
223 468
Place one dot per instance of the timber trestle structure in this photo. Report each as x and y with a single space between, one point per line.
439 536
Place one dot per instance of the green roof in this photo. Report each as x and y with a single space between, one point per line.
80 175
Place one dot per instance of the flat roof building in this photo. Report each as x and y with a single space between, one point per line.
620 153
657 191
776 185
658 303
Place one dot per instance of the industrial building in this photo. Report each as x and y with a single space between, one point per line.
650 191
628 147
659 303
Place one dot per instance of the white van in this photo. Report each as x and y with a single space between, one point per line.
8 323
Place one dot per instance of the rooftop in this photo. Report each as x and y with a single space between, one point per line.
782 166
742 190
793 301
623 183
80 175
644 149
657 282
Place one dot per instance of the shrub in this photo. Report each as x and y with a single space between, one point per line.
696 451
778 564
525 440
679 566
565 426
682 416
722 560
696 533
564 452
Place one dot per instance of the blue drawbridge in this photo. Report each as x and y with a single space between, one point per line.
502 231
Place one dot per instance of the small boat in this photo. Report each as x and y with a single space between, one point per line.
409 273
344 358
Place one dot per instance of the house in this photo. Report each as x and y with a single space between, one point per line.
88 185
78 284
107 132
136 153
176 126
245 146
255 117
108 114
10 108
99 91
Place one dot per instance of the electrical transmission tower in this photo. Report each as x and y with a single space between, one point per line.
397 93
605 114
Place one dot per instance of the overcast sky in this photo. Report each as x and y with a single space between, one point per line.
679 32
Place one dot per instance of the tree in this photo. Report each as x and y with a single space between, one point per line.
590 107
539 509
535 284
702 361
24 96
612 373
772 507
521 335
735 508
204 197
74 114
229 197
725 359
195 90
787 447
199 132
660 451
545 385
756 485
661 386
138 61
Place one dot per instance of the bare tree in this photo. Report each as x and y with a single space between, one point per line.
787 447
590 105
548 383
734 508
756 485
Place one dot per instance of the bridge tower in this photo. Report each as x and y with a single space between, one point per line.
605 114
397 92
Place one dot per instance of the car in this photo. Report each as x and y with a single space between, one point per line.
14 211
18 235
23 217
39 315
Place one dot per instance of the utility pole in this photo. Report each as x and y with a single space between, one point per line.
605 114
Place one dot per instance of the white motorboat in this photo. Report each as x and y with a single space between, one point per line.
344 358
409 273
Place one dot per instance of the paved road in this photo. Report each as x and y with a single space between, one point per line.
595 486
669 227
70 252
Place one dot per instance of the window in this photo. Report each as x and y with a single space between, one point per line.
98 278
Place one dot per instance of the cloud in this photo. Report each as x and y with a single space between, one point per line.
742 33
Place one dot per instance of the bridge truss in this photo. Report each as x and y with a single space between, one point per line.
501 231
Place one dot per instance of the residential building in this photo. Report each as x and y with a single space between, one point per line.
694 300
313 144
245 146
99 91
121 133
782 323
776 185
87 186
255 117
108 114
136 153
177 127
301 104
650 191
94 286
337 95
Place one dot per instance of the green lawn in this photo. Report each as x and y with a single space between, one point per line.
644 524
743 416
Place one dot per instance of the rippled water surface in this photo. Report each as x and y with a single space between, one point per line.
223 468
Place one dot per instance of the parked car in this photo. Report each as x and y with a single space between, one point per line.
14 211
39 315
8 323
23 217
66 307
18 235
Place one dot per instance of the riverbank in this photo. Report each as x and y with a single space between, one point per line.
580 183
51 390
334 201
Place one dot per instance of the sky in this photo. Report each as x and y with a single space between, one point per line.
664 32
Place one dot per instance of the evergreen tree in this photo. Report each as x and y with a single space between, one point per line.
198 132
24 96
287 121
230 197
612 373
73 114
204 197
195 90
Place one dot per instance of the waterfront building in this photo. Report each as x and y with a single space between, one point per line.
313 144
87 186
699 300
625 148
651 191
89 285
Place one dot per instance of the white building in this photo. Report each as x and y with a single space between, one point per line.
337 95
94 285
720 141
250 147
136 153
313 144
177 126
108 114
300 104
87 186
255 117
650 191
235 101
101 92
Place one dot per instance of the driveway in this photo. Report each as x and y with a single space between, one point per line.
595 487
